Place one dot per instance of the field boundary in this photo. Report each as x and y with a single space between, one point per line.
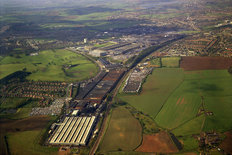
167 99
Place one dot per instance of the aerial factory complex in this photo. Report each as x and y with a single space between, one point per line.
134 77
73 131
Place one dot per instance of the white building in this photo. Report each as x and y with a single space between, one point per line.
98 53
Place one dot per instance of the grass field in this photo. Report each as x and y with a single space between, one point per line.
12 102
21 107
27 143
181 106
172 62
55 65
173 98
193 126
155 91
124 132
184 103
189 143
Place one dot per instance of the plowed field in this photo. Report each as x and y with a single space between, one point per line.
205 63
31 123
158 143
227 143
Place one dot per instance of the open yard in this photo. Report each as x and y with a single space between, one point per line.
124 132
50 65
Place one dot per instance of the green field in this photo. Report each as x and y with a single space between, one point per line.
193 126
181 106
171 62
215 87
50 65
189 143
173 98
124 132
22 107
155 91
27 142
12 102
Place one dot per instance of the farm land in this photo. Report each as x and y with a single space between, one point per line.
25 133
182 99
155 90
170 62
124 132
50 65
179 111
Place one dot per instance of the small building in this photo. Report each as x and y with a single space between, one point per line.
75 112
85 40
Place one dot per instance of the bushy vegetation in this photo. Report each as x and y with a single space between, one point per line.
230 70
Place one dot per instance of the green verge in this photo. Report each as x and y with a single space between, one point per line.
124 132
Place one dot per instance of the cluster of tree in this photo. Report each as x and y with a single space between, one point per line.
19 75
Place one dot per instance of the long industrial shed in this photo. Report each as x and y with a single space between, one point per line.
73 131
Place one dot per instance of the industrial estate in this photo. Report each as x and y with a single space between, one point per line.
73 131
120 77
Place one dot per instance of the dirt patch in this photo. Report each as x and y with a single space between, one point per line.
158 143
30 123
227 143
64 151
182 101
205 63
178 101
